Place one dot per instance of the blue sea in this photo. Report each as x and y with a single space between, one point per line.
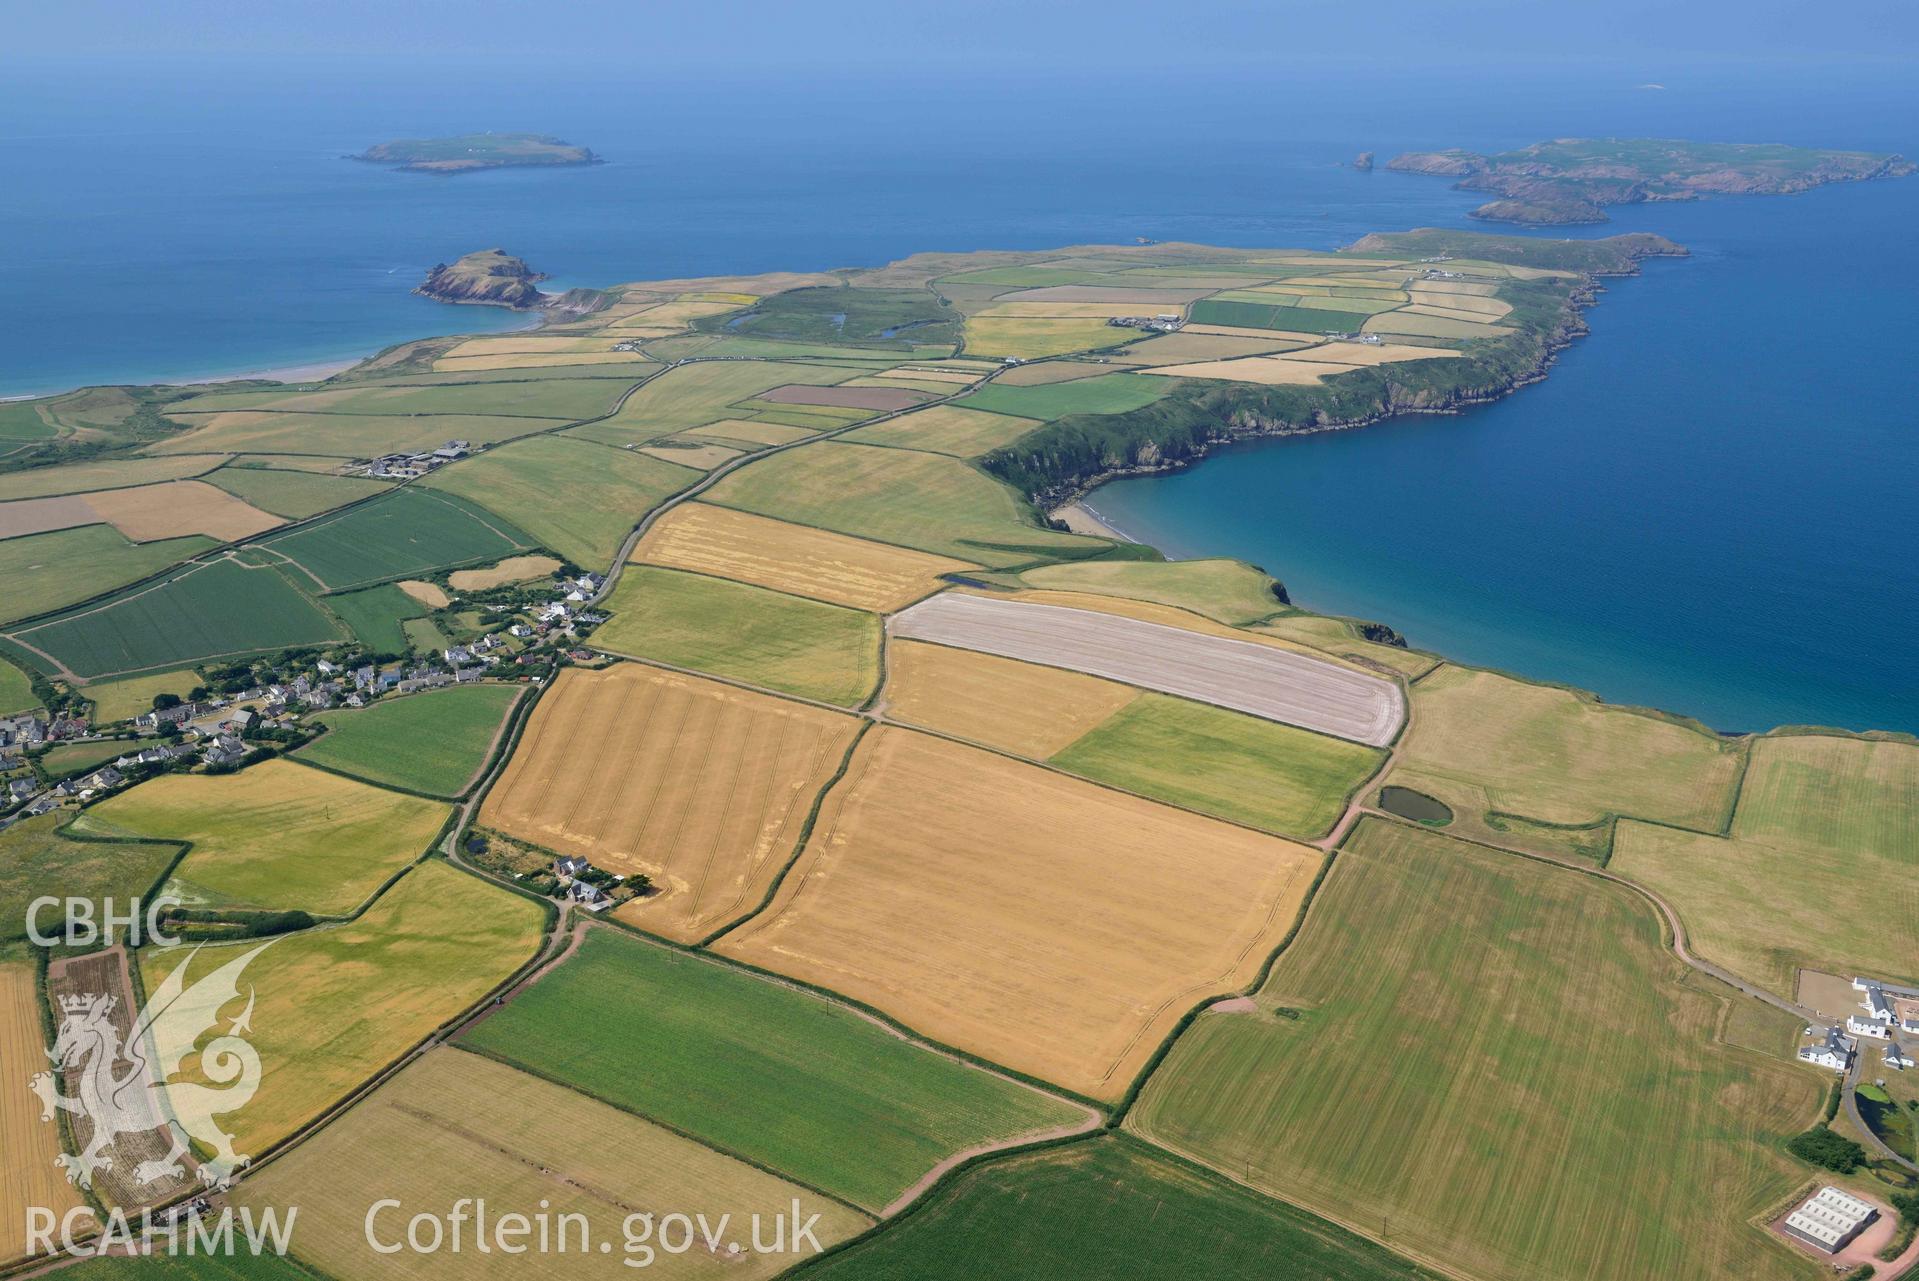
1709 506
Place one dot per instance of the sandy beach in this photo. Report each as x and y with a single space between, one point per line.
1082 519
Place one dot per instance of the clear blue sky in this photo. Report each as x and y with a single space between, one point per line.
829 37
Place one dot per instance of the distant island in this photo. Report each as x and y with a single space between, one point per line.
474 151
495 278
1571 180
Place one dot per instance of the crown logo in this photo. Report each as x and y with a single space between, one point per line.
84 1003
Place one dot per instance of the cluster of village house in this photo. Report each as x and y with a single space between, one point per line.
1891 1011
213 731
414 466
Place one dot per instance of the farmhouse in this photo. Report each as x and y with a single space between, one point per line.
1878 1029
1834 1051
1829 1220
1897 1058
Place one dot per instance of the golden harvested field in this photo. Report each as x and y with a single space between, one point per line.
539 360
28 1176
703 457
1030 918
428 594
702 786
797 559
1489 308
1031 337
178 508
75 478
949 429
1359 353
514 569
921 373
527 344
336 1005
1268 371
676 315
521 1143
1411 320
1019 707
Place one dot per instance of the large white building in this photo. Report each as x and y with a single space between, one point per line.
1830 1219
1834 1052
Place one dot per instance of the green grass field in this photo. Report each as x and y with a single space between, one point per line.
121 699
340 435
120 473
578 498
433 742
783 1078
239 1266
899 496
1491 744
335 1005
1110 1209
294 494
1262 315
751 634
277 835
220 607
411 531
75 758
22 420
1815 811
1496 1064
377 615
16 690
45 572
1227 591
535 394
701 393
35 860
1252 771
1107 394
945 429
885 318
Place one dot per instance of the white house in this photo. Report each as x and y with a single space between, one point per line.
1896 1057
1878 1029
1834 1051
1876 1002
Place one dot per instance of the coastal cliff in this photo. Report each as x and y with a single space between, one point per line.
494 278
1064 459
1571 181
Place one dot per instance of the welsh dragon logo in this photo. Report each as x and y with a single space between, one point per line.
124 1084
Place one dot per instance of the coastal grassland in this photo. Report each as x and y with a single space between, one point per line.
1494 745
28 1145
1474 1045
514 569
277 835
16 690
1030 918
1818 871
36 859
1018 707
294 494
791 558
208 608
703 787
1337 636
752 634
1243 314
496 1126
335 1005
779 1076
900 496
744 433
406 533
575 497
24 420
946 429
994 333
842 316
689 395
1253 771
377 616
120 700
80 478
1110 1209
433 742
1227 591
537 361
177 508
1180 348
45 572
1108 394
268 431
532 396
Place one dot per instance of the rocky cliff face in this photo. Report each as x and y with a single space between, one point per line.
494 278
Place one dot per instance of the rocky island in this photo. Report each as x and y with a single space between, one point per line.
495 278
473 151
1570 181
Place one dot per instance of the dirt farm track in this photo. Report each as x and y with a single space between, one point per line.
1241 675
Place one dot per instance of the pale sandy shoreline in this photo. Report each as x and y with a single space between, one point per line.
1082 519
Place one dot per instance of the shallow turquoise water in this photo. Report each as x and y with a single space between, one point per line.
1708 506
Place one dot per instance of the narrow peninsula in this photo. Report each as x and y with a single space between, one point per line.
1570 181
474 151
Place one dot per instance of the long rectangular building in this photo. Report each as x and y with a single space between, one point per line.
1830 1220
